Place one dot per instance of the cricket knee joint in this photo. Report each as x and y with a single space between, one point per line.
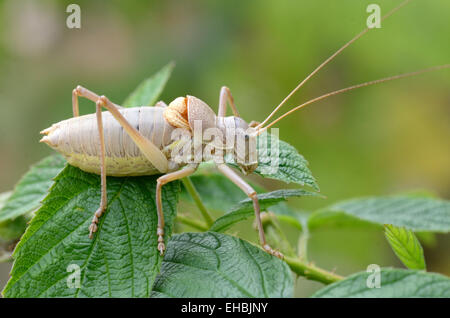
225 88
160 182
103 100
79 90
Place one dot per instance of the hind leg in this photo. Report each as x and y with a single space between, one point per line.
103 201
151 152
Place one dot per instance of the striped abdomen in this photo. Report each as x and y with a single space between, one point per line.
77 140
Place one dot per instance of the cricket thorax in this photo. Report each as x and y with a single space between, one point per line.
209 135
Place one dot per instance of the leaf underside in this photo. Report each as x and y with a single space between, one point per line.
32 188
244 209
287 165
147 93
395 283
217 192
120 261
218 265
412 212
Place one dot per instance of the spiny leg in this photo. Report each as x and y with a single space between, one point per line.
103 202
225 95
152 153
83 92
176 175
251 193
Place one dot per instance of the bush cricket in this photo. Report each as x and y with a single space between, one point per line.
137 141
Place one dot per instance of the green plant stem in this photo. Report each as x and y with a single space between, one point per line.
311 272
271 219
187 182
302 245
199 225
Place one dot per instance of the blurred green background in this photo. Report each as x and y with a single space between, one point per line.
380 140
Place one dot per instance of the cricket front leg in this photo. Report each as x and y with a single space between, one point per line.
251 193
103 201
176 175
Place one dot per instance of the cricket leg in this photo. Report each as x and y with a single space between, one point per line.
251 193
225 96
161 104
176 175
150 151
103 201
83 92
75 107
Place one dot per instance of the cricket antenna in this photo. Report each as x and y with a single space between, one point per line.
327 61
343 90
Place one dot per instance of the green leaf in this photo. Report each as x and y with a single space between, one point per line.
333 219
120 261
218 265
395 283
406 246
147 93
12 229
244 209
288 215
32 188
5 253
216 191
4 197
411 212
287 165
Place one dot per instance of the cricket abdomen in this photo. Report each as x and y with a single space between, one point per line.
78 141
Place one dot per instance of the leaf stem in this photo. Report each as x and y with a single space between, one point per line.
302 244
311 272
187 182
199 225
269 218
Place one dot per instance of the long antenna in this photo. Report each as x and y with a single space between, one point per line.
434 68
327 61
